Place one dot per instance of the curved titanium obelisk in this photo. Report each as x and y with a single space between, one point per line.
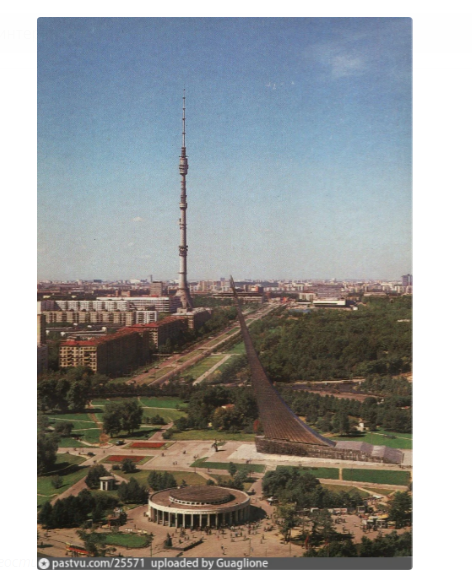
279 423
183 291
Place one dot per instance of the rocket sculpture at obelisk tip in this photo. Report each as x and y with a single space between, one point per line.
183 292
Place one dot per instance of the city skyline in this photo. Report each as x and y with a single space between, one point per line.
298 136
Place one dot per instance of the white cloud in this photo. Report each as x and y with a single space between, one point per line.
341 58
345 65
130 244
138 219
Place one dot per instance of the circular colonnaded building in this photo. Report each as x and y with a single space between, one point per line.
202 506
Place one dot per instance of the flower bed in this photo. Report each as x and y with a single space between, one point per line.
121 457
147 445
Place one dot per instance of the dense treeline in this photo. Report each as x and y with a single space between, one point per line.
386 386
383 546
303 490
74 511
330 414
68 390
324 344
206 407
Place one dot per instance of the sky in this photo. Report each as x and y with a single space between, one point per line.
298 141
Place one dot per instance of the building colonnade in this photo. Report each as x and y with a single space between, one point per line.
196 519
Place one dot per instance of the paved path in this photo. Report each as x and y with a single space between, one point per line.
210 371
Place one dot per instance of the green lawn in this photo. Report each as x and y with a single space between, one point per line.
238 349
169 415
220 369
403 441
382 477
345 489
72 417
203 463
44 486
78 424
319 472
92 435
65 460
191 478
143 433
200 368
162 402
212 435
131 540
99 414
160 373
141 462
73 443
381 491
41 499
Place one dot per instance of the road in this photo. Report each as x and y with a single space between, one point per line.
197 353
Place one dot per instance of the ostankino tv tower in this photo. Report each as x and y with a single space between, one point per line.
183 292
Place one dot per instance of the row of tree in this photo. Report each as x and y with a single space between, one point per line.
331 414
74 511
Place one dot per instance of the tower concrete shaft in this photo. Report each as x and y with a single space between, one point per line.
183 291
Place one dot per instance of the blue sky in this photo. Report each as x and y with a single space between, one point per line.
298 138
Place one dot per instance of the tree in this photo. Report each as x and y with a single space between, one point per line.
132 492
125 415
97 513
399 508
128 466
64 429
43 423
57 481
131 415
112 418
232 469
322 529
288 519
92 480
168 541
46 451
94 542
45 515
77 395
158 481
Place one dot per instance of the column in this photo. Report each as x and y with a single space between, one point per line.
193 515
201 520
217 520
